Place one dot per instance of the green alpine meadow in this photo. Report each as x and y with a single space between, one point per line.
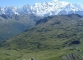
58 37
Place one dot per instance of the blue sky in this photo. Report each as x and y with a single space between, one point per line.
4 3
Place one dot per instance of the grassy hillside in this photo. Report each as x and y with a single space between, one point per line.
52 38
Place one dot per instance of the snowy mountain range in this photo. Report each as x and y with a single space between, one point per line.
54 7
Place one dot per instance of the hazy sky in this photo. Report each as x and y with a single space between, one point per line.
4 3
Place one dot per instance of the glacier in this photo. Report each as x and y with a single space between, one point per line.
55 7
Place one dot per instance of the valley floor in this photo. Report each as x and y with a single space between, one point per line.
54 54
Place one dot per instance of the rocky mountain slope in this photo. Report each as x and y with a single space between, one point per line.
12 25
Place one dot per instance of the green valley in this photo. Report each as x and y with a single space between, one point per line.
52 38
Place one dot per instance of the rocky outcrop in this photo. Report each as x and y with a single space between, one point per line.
72 56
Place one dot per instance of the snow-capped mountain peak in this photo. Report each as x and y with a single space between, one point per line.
54 7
